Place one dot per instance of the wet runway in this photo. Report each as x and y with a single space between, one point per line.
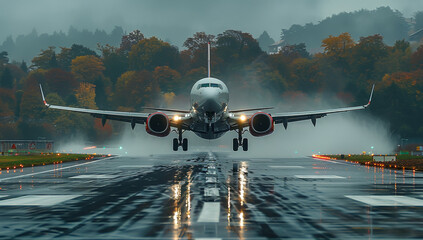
200 196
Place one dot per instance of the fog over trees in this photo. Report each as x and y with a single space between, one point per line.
126 71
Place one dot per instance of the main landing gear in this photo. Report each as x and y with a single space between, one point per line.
238 142
180 142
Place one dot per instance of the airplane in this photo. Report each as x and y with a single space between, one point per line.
209 116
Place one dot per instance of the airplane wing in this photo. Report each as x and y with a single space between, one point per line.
285 118
131 117
249 109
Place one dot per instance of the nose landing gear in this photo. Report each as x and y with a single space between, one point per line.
237 142
180 142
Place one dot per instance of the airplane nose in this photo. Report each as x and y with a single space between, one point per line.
211 105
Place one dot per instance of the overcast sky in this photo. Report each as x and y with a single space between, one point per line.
175 20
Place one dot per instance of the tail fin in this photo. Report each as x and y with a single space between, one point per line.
208 59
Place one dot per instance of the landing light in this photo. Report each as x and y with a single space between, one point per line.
176 118
243 118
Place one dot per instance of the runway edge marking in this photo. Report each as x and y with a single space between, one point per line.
52 170
330 161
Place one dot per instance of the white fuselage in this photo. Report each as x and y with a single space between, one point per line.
209 101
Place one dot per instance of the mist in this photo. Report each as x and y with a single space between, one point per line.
341 133
176 20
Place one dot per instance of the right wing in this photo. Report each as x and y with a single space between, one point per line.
131 117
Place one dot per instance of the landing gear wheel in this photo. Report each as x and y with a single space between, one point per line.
245 144
235 144
175 144
185 144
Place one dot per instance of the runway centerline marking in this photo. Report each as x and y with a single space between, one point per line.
93 176
37 200
211 192
387 201
287 167
319 177
210 212
53 170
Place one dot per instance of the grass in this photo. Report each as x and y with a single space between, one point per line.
11 162
403 161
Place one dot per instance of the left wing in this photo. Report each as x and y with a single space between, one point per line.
285 118
236 121
131 117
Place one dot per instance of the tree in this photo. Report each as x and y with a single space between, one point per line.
152 52
417 59
136 89
338 46
167 78
45 59
6 80
199 41
130 40
31 108
365 55
61 82
85 95
265 41
236 47
7 102
87 68
295 51
3 57
66 55
419 21
115 62
24 67
197 49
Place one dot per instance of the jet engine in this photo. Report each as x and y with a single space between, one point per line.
261 124
157 124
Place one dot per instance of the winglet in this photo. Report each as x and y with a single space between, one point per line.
44 99
371 95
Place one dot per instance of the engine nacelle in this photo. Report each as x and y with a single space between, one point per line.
261 124
158 124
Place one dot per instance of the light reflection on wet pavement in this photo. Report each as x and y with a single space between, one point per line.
202 196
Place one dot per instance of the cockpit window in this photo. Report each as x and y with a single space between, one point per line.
203 85
215 85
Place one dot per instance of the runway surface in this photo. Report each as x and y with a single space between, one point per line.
200 195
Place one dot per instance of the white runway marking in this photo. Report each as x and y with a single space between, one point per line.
53 170
37 200
387 201
99 176
287 167
318 176
211 192
211 180
136 166
210 212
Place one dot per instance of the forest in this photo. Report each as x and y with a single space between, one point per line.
127 72
150 72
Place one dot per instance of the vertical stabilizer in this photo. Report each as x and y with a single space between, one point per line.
208 59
